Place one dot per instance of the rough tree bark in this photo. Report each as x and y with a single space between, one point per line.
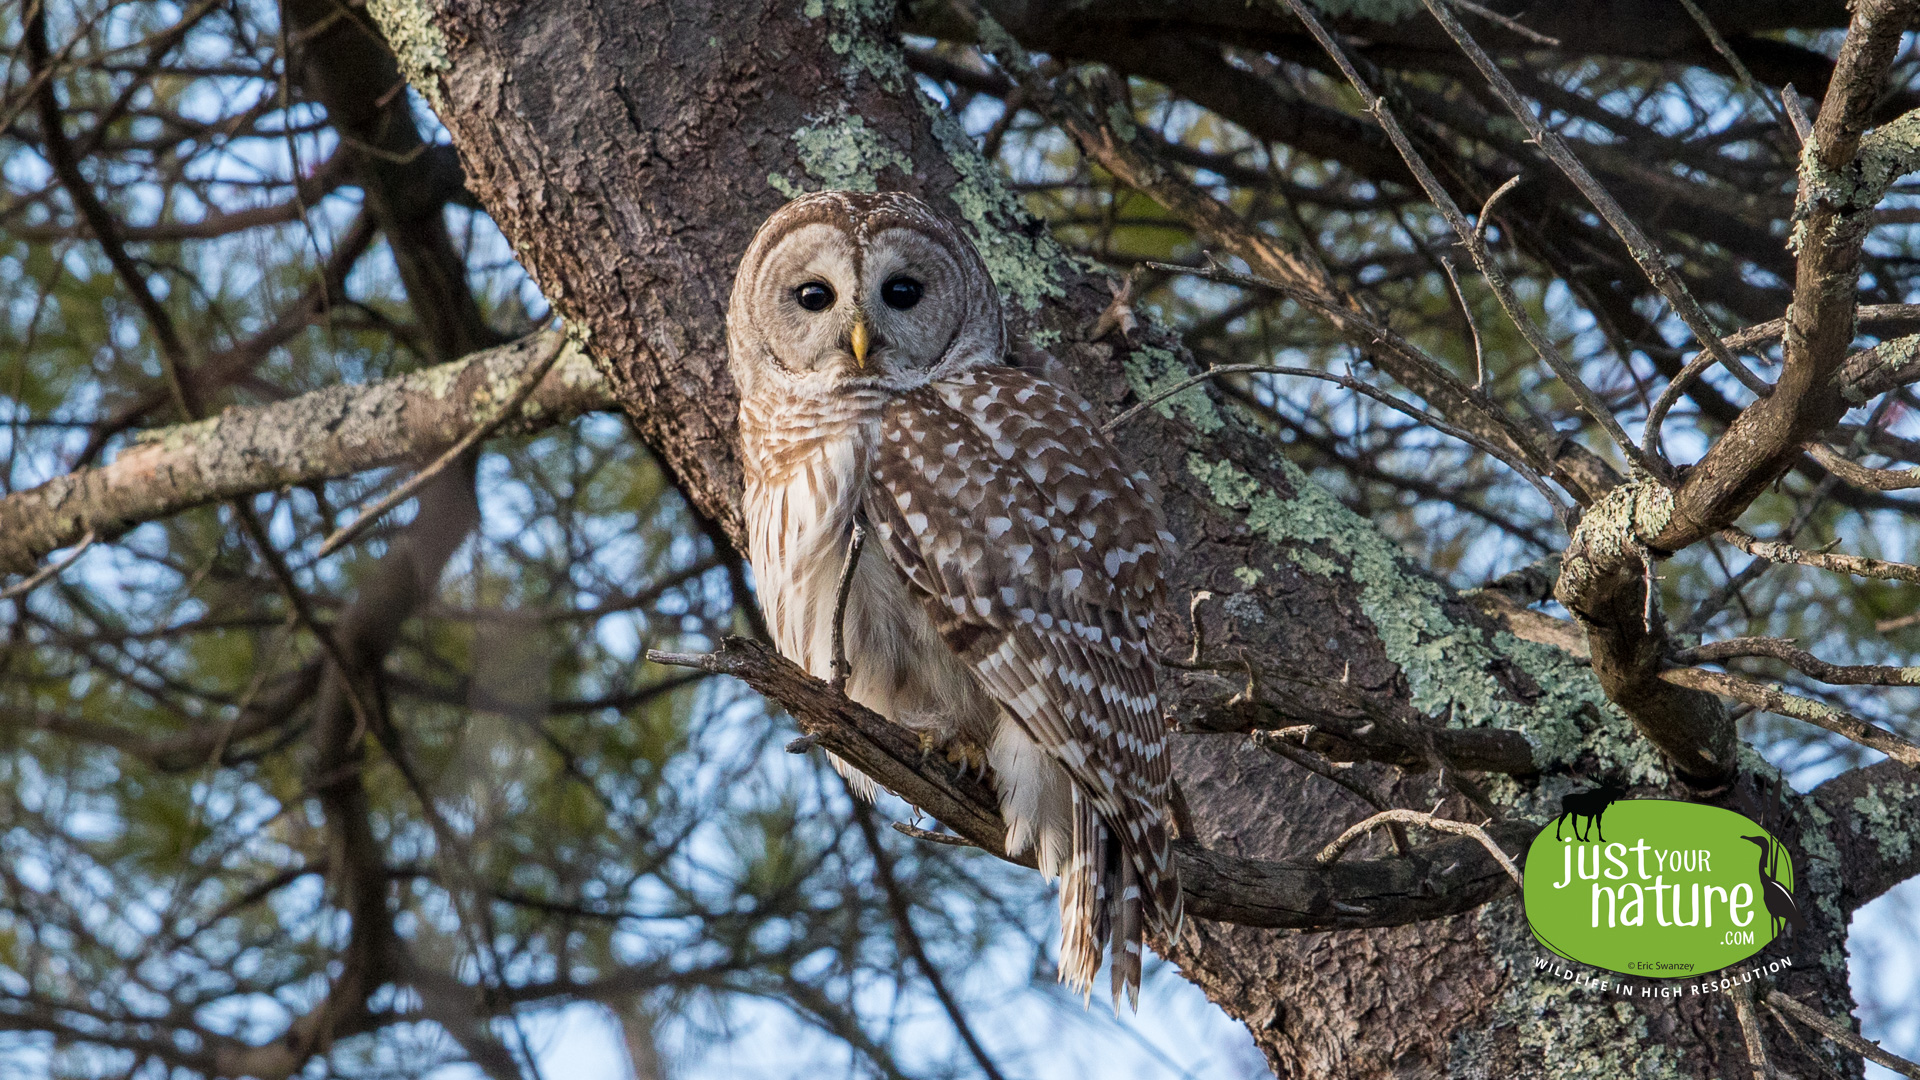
629 150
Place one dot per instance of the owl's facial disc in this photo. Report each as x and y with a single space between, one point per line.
887 310
803 303
911 295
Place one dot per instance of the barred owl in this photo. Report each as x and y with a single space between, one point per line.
1001 611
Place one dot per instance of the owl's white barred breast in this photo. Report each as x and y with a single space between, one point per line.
809 465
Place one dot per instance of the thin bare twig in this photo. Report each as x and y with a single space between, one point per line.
1887 626
1796 113
1862 476
1481 222
479 431
1805 662
1473 328
843 668
1750 1031
1490 15
1536 336
49 571
1838 1032
1775 700
1332 852
1856 565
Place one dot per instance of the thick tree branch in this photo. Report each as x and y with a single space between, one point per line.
1873 812
328 433
1444 879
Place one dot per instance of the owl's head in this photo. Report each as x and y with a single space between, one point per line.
871 289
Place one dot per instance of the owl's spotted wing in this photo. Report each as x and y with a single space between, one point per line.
1038 554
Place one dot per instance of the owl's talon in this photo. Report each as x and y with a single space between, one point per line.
927 743
968 756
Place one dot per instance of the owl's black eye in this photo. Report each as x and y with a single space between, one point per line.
901 293
814 296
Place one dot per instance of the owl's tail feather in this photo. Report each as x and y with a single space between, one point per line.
1084 919
860 783
1160 881
1103 909
1129 938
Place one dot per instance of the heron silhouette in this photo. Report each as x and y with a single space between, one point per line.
1779 901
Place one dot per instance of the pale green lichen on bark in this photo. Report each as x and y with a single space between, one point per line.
1450 668
1885 154
843 155
1890 815
857 30
847 154
1151 370
417 43
1585 1033
1822 873
1894 354
1027 269
1612 534
178 436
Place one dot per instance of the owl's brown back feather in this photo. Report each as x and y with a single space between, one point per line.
1037 555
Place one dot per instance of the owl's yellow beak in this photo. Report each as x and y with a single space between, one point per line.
858 340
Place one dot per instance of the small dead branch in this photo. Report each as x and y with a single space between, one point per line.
50 571
1750 1031
1832 1029
1796 113
931 837
856 543
528 383
1775 700
1473 328
1802 661
1860 475
1856 565
1534 36
1332 852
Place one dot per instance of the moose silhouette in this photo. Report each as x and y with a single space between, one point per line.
1779 901
1588 806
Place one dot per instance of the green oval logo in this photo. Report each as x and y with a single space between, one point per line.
1656 888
